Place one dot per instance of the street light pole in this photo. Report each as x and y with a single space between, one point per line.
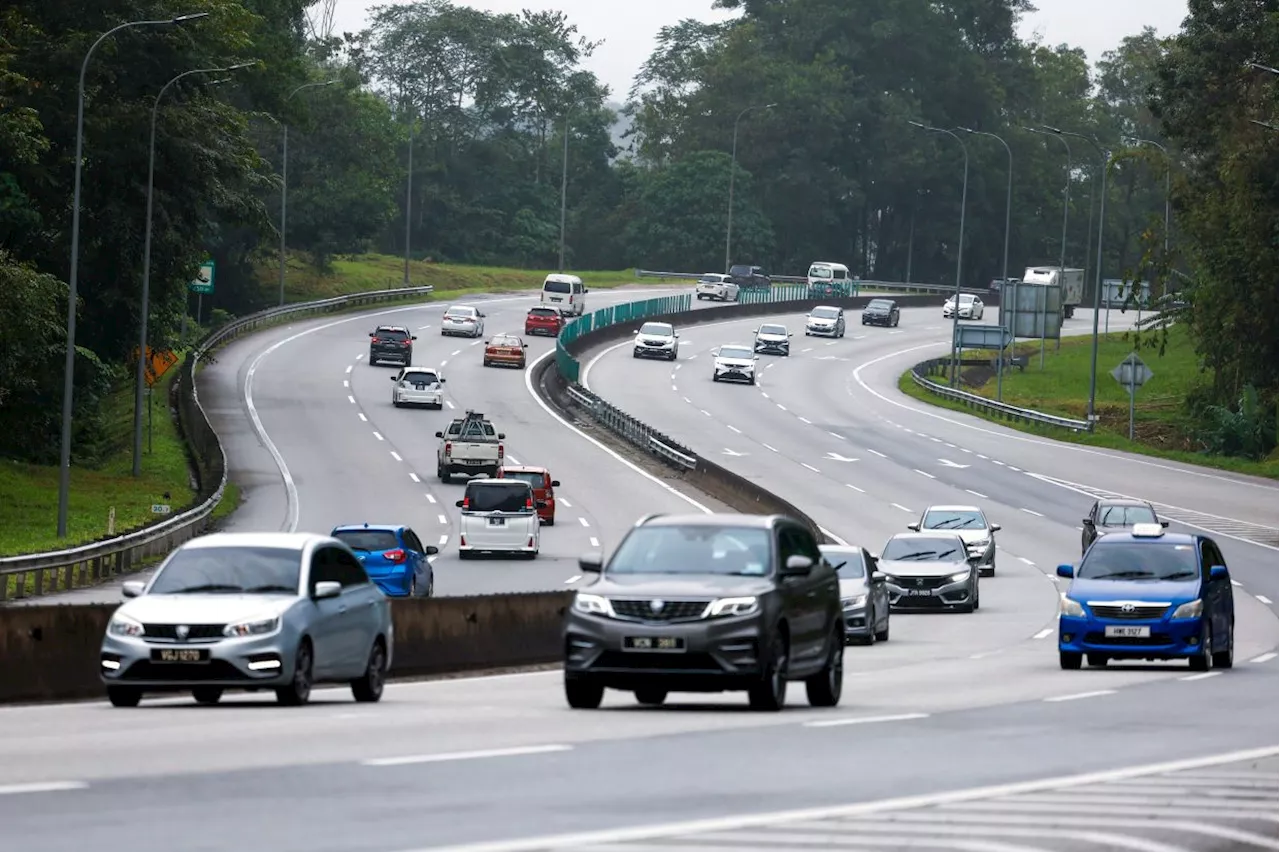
284 180
564 190
1097 291
964 197
733 171
140 378
408 203
1008 208
1168 197
1066 207
69 367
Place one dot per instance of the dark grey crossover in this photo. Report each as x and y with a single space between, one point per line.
707 603
881 312
1116 515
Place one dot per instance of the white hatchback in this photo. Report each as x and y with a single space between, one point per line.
717 287
499 516
418 386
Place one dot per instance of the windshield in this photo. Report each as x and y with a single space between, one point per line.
773 329
229 570
511 496
939 519
711 279
736 352
391 334
819 272
423 377
846 561
1129 560
367 541
534 478
657 329
925 549
556 287
825 313
1125 516
693 549
879 305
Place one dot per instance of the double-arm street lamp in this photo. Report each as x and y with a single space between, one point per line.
1066 207
1004 275
564 191
964 197
733 170
69 369
284 179
140 378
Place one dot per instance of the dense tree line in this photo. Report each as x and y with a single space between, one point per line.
481 104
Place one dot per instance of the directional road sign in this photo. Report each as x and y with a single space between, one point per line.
982 337
204 279
1132 373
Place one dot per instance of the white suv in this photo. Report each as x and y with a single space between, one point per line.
656 340
498 516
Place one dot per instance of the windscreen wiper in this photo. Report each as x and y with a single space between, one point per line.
208 587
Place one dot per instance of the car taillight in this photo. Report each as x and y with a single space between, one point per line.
462 540
571 300
396 556
466 502
528 503
448 448
374 340
501 452
530 544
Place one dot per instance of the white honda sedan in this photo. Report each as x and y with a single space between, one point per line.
970 307
462 321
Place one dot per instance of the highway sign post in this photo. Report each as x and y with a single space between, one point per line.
202 286
1132 373
995 337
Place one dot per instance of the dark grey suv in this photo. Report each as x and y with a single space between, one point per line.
707 603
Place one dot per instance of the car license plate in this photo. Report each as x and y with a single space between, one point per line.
419 386
497 522
1127 631
653 643
180 655
472 461
919 593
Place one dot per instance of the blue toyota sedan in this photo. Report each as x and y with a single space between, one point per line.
393 556
1148 595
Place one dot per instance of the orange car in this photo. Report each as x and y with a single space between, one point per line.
544 488
505 349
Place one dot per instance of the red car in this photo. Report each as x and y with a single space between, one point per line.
543 321
543 488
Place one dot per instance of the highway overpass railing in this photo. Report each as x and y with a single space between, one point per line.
922 373
41 573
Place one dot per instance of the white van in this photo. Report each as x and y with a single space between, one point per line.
565 293
829 279
499 516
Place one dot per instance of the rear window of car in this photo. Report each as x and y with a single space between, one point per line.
461 313
545 313
534 478
368 541
392 334
499 496
421 378
556 287
711 279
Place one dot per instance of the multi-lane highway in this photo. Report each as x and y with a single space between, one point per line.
952 701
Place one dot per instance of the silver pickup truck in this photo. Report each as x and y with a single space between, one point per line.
471 447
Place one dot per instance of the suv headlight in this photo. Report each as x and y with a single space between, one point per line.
1190 609
593 605
980 543
252 627
854 602
1066 606
733 607
122 625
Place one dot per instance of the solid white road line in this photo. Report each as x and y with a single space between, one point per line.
1043 633
41 787
1097 693
465 755
1265 658
1201 676
865 720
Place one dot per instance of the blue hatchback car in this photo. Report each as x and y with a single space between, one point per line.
393 556
1148 594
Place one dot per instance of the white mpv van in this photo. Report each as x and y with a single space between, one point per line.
498 516
565 293
829 279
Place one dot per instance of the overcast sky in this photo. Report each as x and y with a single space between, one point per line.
628 27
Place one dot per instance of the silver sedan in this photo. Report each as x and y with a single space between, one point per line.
279 611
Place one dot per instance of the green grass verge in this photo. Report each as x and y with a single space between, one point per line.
1162 427
29 493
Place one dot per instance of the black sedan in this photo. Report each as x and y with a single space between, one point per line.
881 312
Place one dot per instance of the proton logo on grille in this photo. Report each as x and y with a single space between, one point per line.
182 631
656 606
1127 608
919 581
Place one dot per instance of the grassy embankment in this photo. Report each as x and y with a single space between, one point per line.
29 493
1162 427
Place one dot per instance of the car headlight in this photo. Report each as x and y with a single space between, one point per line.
1066 606
730 607
892 580
980 544
122 625
958 577
1190 609
592 605
253 627
855 602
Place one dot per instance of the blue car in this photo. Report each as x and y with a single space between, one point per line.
1148 595
393 556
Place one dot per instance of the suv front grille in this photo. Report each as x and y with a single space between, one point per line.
643 610
1138 611
170 631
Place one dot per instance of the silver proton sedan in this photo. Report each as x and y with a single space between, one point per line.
279 611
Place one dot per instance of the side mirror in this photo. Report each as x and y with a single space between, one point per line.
326 589
480 315
502 436
460 503
441 380
789 334
755 331
439 434
996 528
395 378
585 290
1164 523
414 337
797 566
873 555
877 577
132 588
591 563
372 333
555 483
1066 571
1087 522
431 550
755 357
526 346
914 527
1218 572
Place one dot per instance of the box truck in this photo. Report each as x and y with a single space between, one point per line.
1072 281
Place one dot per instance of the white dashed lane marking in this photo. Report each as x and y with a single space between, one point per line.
378 435
977 494
351 399
767 447
450 404
444 539
1263 598
1098 693
346 384
837 437
922 473
902 507
414 477
595 542
443 520
735 429
854 487
350 368
363 419
1201 676
396 456
564 501
811 467
1025 561
806 420
1043 633
873 452
583 521
1265 658
1032 512
430 499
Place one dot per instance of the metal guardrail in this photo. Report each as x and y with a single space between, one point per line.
859 285
934 366
90 563
632 430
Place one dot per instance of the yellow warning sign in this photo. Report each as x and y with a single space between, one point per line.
159 361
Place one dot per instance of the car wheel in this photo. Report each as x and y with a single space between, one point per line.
977 595
883 635
298 692
824 688
583 694
413 587
207 694
368 688
770 693
444 475
1069 660
551 521
1203 661
395 402
465 554
751 381
895 322
1098 661
1227 659
124 696
651 697
715 377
